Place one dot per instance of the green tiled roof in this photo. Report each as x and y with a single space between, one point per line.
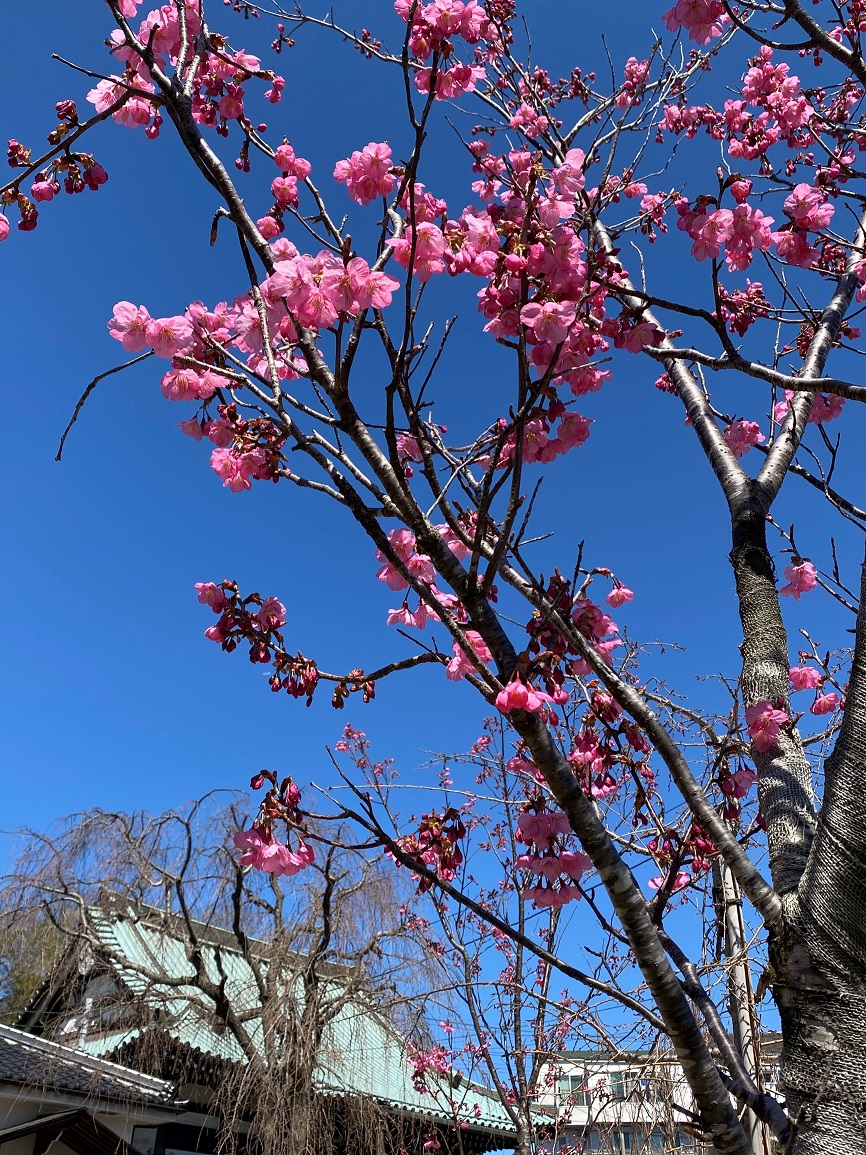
361 1053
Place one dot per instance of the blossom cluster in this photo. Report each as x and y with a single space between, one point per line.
218 91
764 722
825 407
435 1061
554 656
257 622
77 170
367 174
703 20
557 870
802 577
808 678
696 850
741 435
403 563
434 30
302 290
435 846
262 850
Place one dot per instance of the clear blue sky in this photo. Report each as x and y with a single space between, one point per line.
110 694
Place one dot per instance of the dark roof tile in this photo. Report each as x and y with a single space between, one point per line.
29 1061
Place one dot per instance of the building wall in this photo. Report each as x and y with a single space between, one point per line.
636 1107
24 1104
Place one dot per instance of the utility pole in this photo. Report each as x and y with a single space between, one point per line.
741 996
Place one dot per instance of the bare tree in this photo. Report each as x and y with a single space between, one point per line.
171 947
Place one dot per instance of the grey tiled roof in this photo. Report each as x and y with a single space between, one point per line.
29 1061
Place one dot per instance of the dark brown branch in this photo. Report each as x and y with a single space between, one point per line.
82 400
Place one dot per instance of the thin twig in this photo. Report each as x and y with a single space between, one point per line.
83 398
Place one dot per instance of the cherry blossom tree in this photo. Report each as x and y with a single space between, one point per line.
499 919
741 127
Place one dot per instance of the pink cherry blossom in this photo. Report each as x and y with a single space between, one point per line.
461 664
392 577
454 81
764 721
826 407
429 245
168 336
568 178
633 338
291 165
740 783
220 631
550 321
211 595
44 190
741 435
517 696
808 208
542 827
574 863
408 448
825 704
714 229
135 112
220 432
704 20
804 677
682 880
421 568
285 191
129 326
367 174
192 428
272 614
801 578
792 247
269 227
619 595
181 385
262 851
405 617
573 430
238 470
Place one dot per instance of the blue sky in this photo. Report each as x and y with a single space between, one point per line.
111 696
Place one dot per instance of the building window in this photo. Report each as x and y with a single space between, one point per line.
144 1140
574 1088
623 1084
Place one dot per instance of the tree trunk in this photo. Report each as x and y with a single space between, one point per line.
824 1057
785 777
820 966
818 958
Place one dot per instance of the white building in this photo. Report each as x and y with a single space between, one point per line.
617 1104
625 1102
